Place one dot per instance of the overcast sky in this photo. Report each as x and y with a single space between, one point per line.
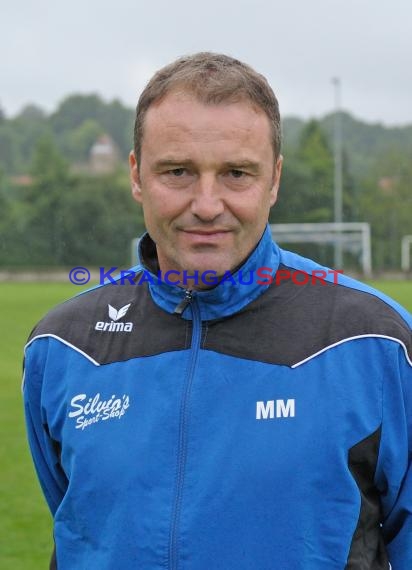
51 48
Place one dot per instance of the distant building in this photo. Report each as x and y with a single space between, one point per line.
388 184
23 180
104 155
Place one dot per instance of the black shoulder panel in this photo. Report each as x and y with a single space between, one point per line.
290 322
285 325
136 326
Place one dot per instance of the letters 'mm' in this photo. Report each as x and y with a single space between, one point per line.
275 409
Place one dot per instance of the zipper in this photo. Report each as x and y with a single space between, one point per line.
189 299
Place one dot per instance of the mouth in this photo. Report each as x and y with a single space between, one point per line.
204 232
205 236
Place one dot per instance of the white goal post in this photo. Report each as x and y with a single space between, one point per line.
353 236
406 253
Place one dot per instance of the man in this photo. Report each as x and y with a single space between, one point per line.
263 422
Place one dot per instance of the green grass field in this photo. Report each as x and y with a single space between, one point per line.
25 525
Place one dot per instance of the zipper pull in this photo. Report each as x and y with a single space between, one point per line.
187 299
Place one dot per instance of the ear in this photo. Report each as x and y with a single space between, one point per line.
276 180
135 178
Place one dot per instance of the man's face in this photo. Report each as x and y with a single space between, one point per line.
206 180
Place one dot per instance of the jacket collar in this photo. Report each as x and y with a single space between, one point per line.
229 296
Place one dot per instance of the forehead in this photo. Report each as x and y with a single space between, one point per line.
181 119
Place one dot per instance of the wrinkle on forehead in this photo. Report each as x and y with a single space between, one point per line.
172 109
182 121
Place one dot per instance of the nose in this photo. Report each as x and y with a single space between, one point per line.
207 203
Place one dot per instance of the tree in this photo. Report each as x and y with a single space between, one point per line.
307 183
117 120
31 113
51 183
74 110
100 220
79 141
306 193
10 156
81 116
386 203
28 127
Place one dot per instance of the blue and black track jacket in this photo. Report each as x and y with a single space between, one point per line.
247 427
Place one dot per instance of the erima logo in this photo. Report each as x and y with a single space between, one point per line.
275 409
114 326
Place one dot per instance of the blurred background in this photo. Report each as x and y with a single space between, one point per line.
71 74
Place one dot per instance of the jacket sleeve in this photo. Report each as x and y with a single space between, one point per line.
43 449
394 469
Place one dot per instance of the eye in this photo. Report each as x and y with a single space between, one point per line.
237 173
177 172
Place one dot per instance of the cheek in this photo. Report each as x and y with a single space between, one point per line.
158 204
253 208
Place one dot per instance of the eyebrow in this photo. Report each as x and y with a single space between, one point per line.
250 165
246 164
171 163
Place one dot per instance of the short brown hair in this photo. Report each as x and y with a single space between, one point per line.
212 78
